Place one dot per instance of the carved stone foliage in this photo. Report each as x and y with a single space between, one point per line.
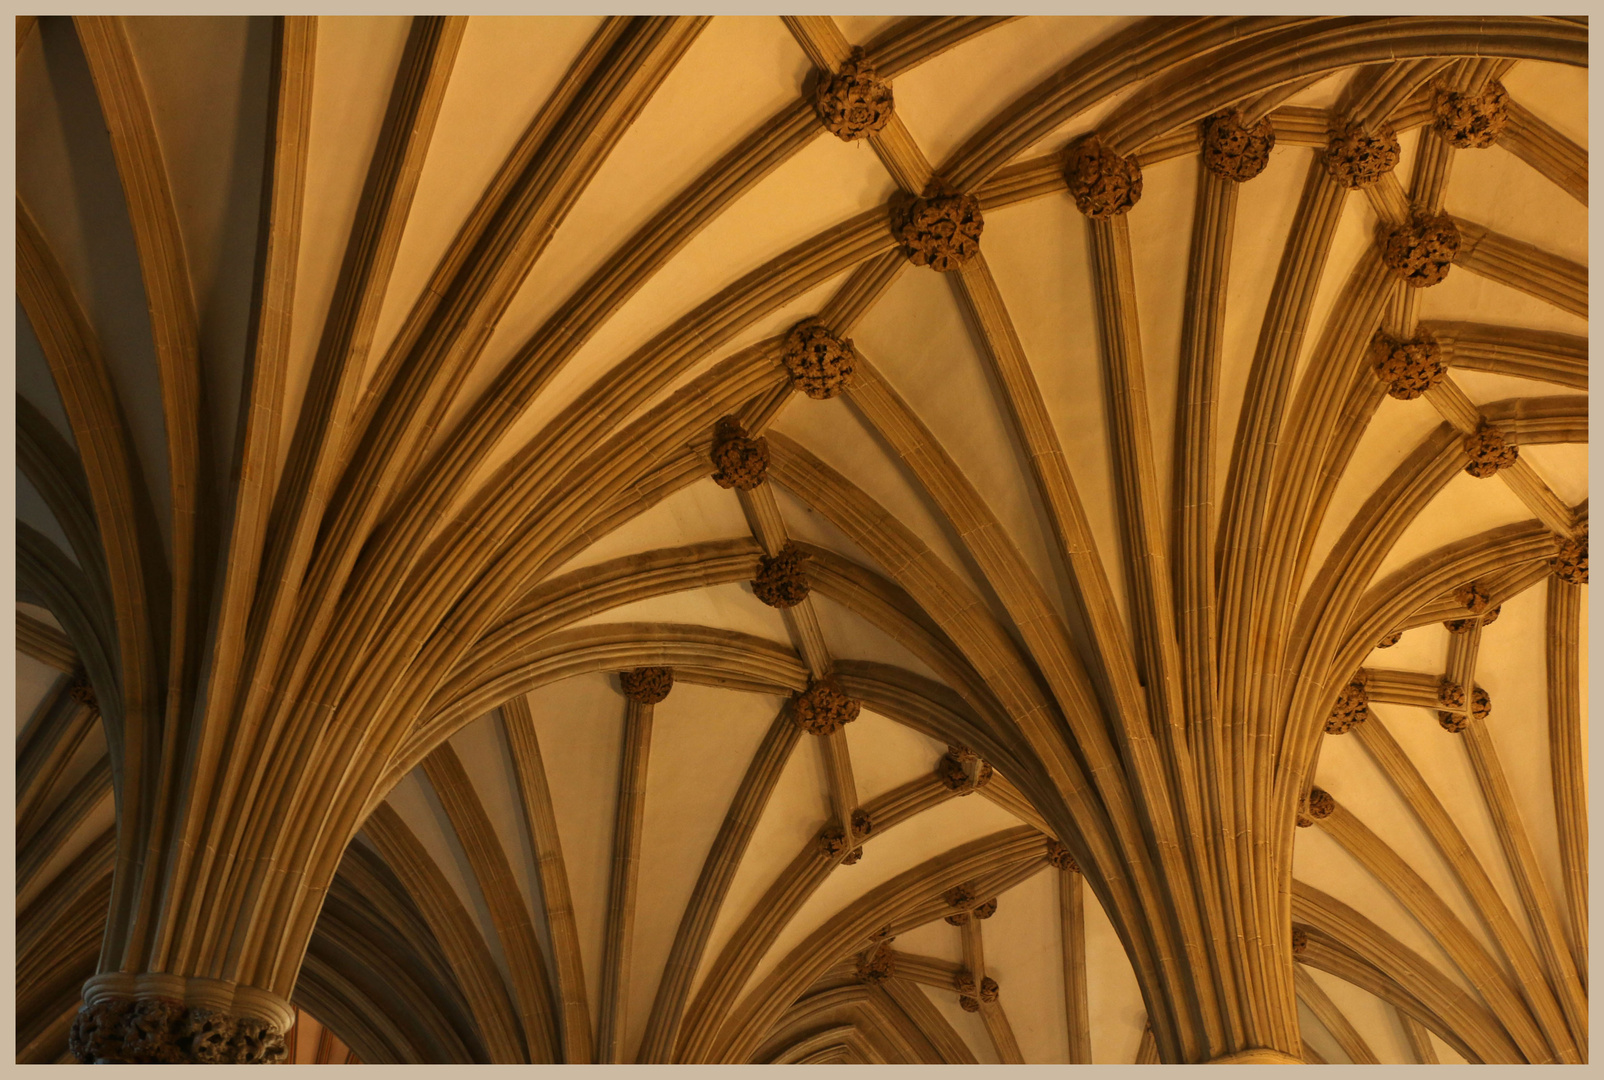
1481 703
962 770
963 897
1233 149
1476 601
1422 249
1451 695
821 709
969 994
1471 120
853 103
1570 564
833 840
877 965
1356 158
862 823
738 461
820 363
647 685
97 1033
150 1031
782 579
1059 856
941 230
1489 450
84 693
1475 597
985 910
210 1039
1390 640
1464 626
964 983
1300 940
1102 182
1409 368
162 1031
1321 804
1352 707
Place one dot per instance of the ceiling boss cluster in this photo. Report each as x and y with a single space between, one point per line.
853 103
1233 149
517 561
941 230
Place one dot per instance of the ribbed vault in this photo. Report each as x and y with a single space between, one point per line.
937 540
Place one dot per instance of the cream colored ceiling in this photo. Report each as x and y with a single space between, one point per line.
207 79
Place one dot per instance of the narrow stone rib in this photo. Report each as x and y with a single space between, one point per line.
977 291
618 71
1457 408
46 644
928 971
1209 83
1427 907
1001 1032
1193 517
1418 1037
1399 83
291 546
1386 686
1567 762
1066 92
718 870
508 912
540 817
821 39
1512 350
1541 914
711 1020
964 617
454 928
1072 922
262 424
919 38
1462 859
63 819
175 330
759 1008
132 542
53 466
1326 1011
1165 786
1522 266
1349 945
1532 140
843 786
625 882
42 760
930 1022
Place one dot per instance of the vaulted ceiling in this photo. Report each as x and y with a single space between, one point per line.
394 350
